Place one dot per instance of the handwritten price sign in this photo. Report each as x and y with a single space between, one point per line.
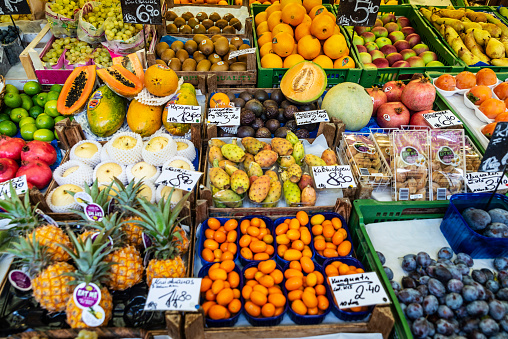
333 176
496 154
14 7
179 178
234 54
19 184
485 181
225 116
141 12
309 117
442 119
173 294
357 12
183 114
355 290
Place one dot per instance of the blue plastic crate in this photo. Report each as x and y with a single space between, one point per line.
279 221
269 225
202 238
329 216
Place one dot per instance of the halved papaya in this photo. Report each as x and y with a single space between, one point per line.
76 90
121 81
132 63
304 83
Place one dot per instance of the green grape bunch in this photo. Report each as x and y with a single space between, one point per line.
78 52
65 8
57 48
117 29
102 57
99 14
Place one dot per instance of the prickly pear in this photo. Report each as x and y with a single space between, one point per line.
259 189
255 169
284 176
298 153
295 173
286 161
252 179
240 182
233 152
305 180
314 160
223 163
274 194
214 154
219 177
273 176
248 159
266 158
329 157
309 196
282 146
228 198
292 138
252 145
291 193
230 169
217 203
267 147
216 142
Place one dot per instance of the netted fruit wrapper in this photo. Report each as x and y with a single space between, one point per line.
151 195
104 153
176 158
189 152
94 159
122 176
163 192
147 98
61 209
83 175
139 165
131 154
163 152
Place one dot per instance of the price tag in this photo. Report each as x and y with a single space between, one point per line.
19 183
225 116
485 181
179 178
442 119
141 12
183 113
173 294
355 290
14 7
496 154
309 117
234 54
357 12
333 176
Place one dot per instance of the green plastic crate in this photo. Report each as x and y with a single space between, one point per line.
371 211
451 62
271 77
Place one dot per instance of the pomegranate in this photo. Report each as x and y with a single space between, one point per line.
39 150
393 90
392 115
419 95
37 173
417 119
8 168
11 147
378 98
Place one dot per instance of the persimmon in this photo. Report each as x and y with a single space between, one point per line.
501 90
446 82
486 76
492 108
478 94
465 80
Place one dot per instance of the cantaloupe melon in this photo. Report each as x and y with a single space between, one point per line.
304 83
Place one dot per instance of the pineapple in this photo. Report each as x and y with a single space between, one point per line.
161 223
99 196
50 283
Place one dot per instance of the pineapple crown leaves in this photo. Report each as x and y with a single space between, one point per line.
20 212
126 195
30 252
110 223
100 197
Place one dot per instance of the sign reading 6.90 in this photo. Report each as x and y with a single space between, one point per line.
141 11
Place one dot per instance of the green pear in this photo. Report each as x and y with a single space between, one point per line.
495 49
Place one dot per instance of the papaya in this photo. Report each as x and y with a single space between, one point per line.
121 81
186 95
76 90
105 112
161 80
143 119
132 63
304 83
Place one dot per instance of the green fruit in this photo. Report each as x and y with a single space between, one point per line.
11 89
59 118
27 120
27 131
56 88
50 108
4 117
35 111
105 112
12 100
7 110
52 95
8 128
44 121
17 114
56 135
41 99
32 88
26 102
44 135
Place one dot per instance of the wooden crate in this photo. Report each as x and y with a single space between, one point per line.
103 332
69 133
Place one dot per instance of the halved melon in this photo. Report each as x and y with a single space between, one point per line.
132 63
121 81
304 83
76 90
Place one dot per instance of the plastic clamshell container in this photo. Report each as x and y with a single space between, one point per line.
269 225
279 221
204 227
463 238
229 322
341 314
269 321
329 216
308 319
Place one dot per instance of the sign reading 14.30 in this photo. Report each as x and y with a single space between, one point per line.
141 11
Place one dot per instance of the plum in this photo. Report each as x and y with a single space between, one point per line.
464 258
408 295
409 263
499 215
444 327
496 230
381 257
478 308
489 327
496 309
470 293
388 272
430 304
454 300
420 328
454 285
395 285
476 218
423 259
445 253
479 276
436 287
501 263
414 311
492 285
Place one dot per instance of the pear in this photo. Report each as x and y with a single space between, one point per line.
500 62
86 150
495 49
468 57
481 36
180 146
69 171
156 144
125 143
145 192
143 170
177 194
107 171
179 164
61 198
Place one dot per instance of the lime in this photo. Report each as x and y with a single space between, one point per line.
35 111
11 89
52 95
4 116
7 110
24 95
41 99
8 128
27 120
27 131
50 108
59 118
44 135
32 88
44 121
26 102
17 114
56 88
12 100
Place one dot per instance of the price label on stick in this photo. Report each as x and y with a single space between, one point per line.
179 178
442 119
357 12
496 154
19 183
14 7
224 116
485 181
309 117
355 290
183 113
234 54
333 176
141 12
173 294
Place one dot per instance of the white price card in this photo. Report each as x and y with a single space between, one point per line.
234 54
333 176
225 116
485 181
442 119
310 117
184 114
179 178
355 290
173 294
19 183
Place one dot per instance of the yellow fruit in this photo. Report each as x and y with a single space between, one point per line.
271 61
293 59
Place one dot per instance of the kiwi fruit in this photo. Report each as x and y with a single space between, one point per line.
160 62
187 15
228 17
207 23
243 57
171 16
201 16
175 64
185 29
171 28
198 38
199 29
198 56
206 46
221 23
182 55
179 22
216 36
176 46
160 48
213 30
243 46
193 22
229 61
237 42
232 48
189 65
221 46
229 30
238 66
203 65
214 58
236 24
167 55
190 46
214 16
220 66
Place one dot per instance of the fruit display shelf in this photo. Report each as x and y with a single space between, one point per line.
106 332
371 76
203 4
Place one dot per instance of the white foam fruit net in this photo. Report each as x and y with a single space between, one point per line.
131 177
122 176
83 175
126 156
159 157
61 209
189 152
104 153
151 187
167 163
147 98
92 161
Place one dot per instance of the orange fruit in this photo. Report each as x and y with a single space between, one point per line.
225 296
503 117
492 108
265 49
262 28
253 309
217 312
307 20
465 80
345 246
271 61
235 306
264 38
501 90
284 3
478 94
445 82
267 266
268 310
344 62
277 299
260 17
310 4
323 26
309 47
335 46
316 10
274 19
299 307
282 28
302 217
213 223
293 14
486 76
271 9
